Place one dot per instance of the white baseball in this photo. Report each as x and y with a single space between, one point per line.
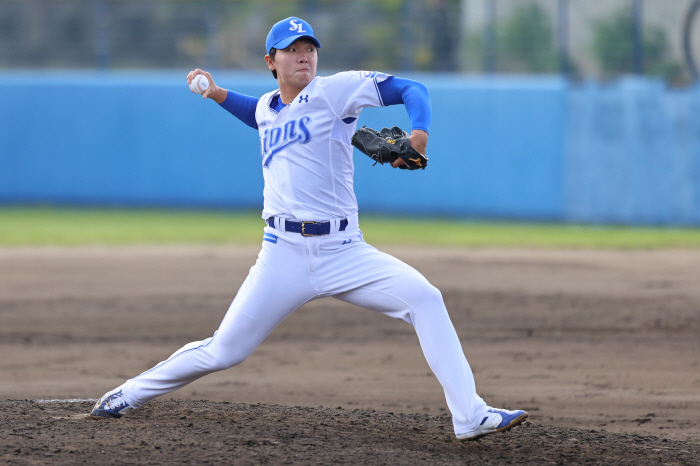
199 84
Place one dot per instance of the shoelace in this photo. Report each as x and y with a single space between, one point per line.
112 404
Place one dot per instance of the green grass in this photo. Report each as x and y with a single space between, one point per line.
70 227
43 226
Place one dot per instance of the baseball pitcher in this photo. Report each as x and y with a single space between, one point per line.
312 244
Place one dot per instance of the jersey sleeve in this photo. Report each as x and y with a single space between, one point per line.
351 91
413 95
242 107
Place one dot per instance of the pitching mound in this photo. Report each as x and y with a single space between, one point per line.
203 432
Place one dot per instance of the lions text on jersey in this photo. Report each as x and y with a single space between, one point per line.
305 146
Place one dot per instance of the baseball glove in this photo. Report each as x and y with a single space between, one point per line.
387 145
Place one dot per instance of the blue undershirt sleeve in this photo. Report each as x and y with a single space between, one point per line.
413 95
242 107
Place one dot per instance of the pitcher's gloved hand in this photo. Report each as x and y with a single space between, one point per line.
387 145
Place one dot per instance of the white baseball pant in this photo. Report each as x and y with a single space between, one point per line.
295 270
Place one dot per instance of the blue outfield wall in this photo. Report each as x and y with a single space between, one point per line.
503 147
632 154
123 140
494 152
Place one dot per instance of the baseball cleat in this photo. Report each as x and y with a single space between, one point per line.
496 420
111 406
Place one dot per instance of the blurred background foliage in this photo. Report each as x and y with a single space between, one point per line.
613 45
524 42
527 40
582 38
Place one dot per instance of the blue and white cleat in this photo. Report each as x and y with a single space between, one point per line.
111 406
496 420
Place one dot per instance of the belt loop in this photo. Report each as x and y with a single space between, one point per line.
353 222
280 223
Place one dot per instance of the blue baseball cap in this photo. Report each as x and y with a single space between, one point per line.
287 31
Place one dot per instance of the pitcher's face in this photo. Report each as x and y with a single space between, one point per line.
296 64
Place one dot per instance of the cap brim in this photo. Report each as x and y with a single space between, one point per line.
284 43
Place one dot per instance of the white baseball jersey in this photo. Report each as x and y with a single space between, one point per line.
308 169
305 148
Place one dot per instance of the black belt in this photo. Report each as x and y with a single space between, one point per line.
309 228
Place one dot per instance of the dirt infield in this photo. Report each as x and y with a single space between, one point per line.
601 347
206 432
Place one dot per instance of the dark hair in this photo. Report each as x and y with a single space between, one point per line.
272 53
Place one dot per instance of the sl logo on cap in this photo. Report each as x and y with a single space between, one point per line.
296 26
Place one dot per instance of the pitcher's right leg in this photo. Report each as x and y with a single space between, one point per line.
274 288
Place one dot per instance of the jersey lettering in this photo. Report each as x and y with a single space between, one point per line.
308 140
276 140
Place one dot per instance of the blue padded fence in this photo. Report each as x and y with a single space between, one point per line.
503 147
633 154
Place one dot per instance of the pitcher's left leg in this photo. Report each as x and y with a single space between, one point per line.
385 284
